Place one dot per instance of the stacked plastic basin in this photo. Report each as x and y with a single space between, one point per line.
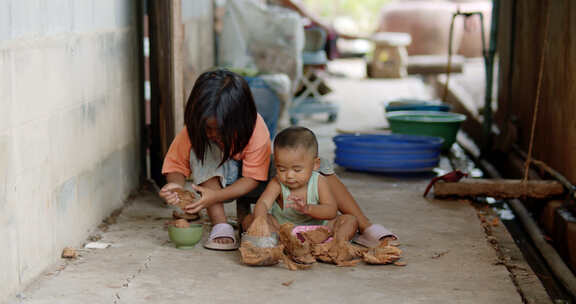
388 152
417 117
267 102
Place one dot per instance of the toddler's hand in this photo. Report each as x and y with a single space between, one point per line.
297 204
168 195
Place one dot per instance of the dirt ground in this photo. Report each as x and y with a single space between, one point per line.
448 249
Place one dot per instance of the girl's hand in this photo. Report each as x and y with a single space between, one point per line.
207 198
298 204
168 195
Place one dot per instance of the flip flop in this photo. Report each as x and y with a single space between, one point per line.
222 230
372 236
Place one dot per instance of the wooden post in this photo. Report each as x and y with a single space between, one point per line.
177 65
161 82
167 101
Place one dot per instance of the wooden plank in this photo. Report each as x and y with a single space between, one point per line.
434 64
503 188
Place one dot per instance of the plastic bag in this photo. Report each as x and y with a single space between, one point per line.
265 38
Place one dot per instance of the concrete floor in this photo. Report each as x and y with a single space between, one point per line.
449 259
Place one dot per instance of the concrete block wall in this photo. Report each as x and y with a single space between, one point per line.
69 126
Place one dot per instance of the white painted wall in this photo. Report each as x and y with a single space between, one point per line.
69 126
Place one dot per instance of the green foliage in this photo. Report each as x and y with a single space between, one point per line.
365 13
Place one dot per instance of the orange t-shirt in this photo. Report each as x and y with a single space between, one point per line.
255 156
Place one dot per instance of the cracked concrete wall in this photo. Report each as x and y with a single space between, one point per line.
69 126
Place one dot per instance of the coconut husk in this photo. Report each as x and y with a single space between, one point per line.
259 227
186 198
297 250
293 265
256 256
382 255
253 255
186 216
317 236
341 253
180 223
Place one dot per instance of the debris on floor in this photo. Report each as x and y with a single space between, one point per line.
69 253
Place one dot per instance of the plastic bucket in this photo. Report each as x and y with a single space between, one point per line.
429 123
416 105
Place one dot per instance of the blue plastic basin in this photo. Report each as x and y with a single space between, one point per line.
388 153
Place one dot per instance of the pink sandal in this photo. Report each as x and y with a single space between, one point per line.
372 236
222 230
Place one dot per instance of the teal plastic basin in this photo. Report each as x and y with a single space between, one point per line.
417 105
430 123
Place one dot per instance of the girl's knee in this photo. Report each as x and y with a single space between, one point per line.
348 218
212 183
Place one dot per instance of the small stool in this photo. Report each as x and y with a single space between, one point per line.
390 55
309 99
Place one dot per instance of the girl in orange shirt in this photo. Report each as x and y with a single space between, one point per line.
223 135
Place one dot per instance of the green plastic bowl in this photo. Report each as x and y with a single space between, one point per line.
185 238
430 123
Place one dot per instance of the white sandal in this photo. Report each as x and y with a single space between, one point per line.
222 230
372 236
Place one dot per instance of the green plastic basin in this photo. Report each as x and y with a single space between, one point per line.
430 123
185 238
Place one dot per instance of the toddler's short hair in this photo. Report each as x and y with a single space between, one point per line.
297 137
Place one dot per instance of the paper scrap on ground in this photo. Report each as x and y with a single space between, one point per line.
97 245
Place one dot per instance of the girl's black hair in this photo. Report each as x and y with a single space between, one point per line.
225 96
